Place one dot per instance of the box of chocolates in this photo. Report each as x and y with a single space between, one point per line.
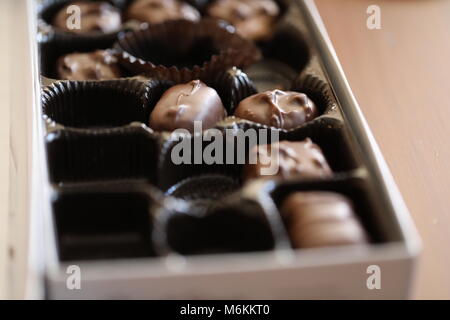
207 149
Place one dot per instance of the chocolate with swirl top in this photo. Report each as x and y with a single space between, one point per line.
280 109
183 104
157 11
94 16
287 160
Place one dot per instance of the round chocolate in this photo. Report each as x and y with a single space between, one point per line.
183 104
294 160
280 109
157 11
95 16
321 219
97 65
253 19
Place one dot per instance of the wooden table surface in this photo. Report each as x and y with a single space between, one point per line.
400 76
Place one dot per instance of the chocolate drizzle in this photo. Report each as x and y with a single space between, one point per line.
183 104
280 109
295 160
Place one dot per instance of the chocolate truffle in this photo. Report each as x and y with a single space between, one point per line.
97 65
253 19
157 11
321 219
279 109
183 104
95 16
294 160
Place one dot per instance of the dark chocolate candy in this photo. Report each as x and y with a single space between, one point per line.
95 16
183 104
157 11
294 160
280 109
253 19
321 219
97 65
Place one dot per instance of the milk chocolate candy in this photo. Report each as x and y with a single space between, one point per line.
183 104
279 109
321 219
253 19
97 65
294 160
157 11
94 16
